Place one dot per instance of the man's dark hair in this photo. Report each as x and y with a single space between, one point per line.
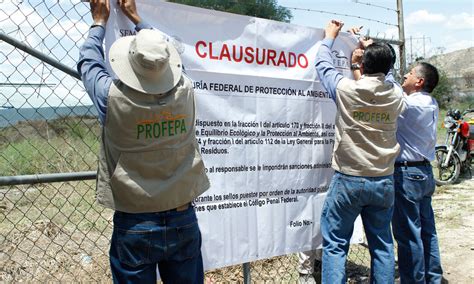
377 59
394 54
430 75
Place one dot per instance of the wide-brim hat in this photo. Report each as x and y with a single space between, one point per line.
146 62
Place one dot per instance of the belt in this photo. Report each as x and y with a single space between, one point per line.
182 207
177 209
412 164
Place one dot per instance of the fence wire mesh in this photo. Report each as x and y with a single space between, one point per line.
56 231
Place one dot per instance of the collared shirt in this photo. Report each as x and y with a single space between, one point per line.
417 125
93 70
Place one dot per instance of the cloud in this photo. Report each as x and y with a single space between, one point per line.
12 17
424 17
462 44
463 21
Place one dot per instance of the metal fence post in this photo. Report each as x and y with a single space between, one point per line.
51 61
246 268
51 227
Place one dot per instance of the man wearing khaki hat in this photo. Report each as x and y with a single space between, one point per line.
150 169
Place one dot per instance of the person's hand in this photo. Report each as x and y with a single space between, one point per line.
357 56
100 10
130 10
355 30
364 42
333 28
356 59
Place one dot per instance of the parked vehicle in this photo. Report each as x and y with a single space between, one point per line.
455 156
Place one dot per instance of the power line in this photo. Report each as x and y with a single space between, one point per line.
373 5
339 14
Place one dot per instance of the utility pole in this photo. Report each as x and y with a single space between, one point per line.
414 57
401 36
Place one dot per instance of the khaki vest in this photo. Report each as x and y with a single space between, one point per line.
366 124
149 159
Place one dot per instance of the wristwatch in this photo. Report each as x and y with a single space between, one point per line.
355 66
99 24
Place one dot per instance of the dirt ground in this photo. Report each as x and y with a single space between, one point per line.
454 209
47 252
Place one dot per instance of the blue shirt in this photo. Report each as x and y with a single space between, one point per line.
93 71
390 78
417 126
327 73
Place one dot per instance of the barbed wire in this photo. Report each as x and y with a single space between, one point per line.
259 5
56 232
339 14
373 5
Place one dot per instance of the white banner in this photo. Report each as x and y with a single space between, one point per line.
265 127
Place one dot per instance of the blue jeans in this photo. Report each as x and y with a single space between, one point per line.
169 239
414 226
349 196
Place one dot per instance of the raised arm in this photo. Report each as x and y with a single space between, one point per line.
129 9
327 73
91 65
356 57
356 62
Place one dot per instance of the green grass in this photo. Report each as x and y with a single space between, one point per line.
46 228
63 145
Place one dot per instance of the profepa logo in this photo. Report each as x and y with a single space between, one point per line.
250 55
161 125
339 60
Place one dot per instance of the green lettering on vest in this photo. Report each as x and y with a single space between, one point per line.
356 115
366 116
177 125
379 117
140 129
156 130
148 130
183 126
170 128
163 126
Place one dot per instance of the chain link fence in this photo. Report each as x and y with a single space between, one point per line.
55 231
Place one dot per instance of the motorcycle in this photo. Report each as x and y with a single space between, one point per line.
454 157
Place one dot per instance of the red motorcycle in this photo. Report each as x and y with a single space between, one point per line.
454 157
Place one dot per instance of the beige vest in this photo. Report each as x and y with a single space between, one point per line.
149 159
366 124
